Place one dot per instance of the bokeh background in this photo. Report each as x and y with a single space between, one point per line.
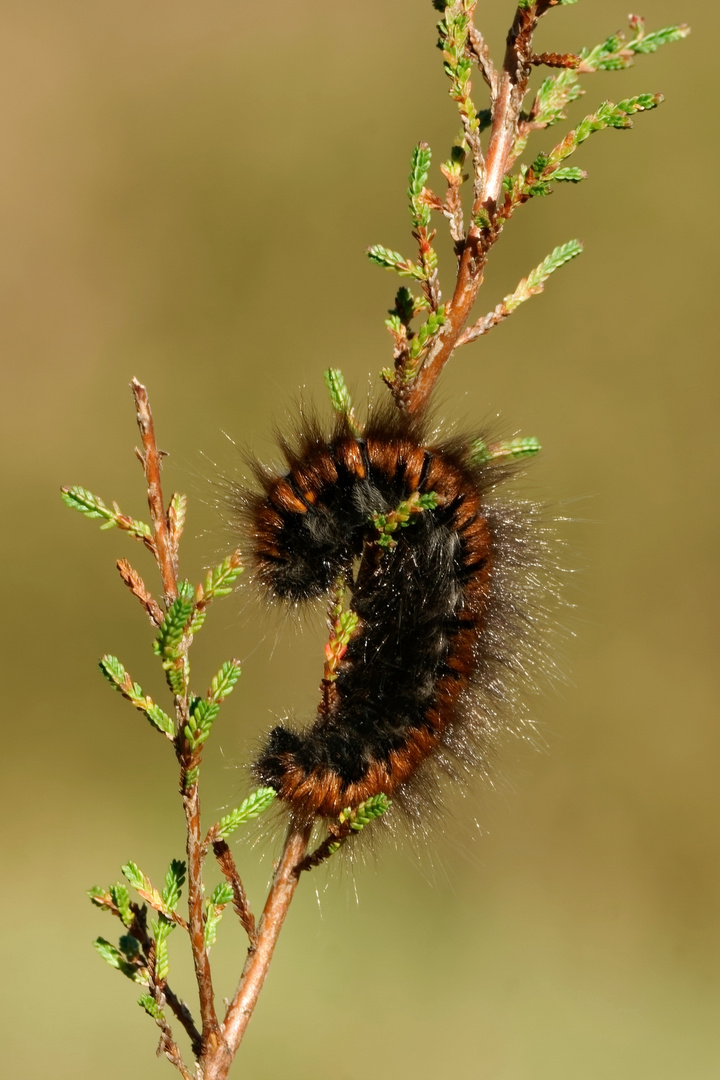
185 195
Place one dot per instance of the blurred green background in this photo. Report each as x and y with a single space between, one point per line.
185 195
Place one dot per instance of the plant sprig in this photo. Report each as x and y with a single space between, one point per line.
426 328
420 354
143 953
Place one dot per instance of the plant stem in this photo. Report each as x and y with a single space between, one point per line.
507 102
240 901
241 1008
195 853
151 463
167 564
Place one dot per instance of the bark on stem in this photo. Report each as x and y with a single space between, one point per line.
511 87
241 1008
195 852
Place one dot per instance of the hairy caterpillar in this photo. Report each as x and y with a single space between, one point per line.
440 608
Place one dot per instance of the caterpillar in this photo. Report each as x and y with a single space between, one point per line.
440 604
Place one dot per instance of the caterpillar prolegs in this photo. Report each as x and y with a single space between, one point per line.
441 584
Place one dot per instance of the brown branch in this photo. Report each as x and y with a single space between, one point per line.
167 1045
211 1036
169 1048
171 916
226 862
556 60
166 555
241 1008
511 91
151 463
182 1012
137 587
337 835
483 325
480 52
511 88
138 929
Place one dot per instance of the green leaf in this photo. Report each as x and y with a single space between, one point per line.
571 175
109 953
173 627
202 716
618 116
535 281
367 811
161 931
340 398
419 171
552 262
609 115
130 948
388 523
191 777
118 677
393 260
121 899
116 674
115 959
151 1007
135 876
173 637
142 883
615 53
173 884
555 94
511 450
250 808
82 500
221 580
222 894
162 928
224 681
212 919
427 332
362 815
453 31
159 719
407 306
649 43
99 897
92 506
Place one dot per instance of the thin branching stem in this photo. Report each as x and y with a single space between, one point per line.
226 862
151 463
137 587
195 853
511 85
282 890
